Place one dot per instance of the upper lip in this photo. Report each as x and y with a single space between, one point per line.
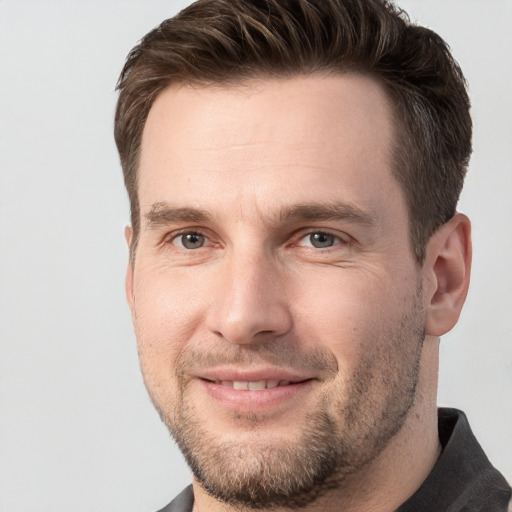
251 375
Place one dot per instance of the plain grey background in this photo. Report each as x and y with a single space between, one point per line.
77 431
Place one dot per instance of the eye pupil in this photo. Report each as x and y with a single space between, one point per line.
320 240
192 240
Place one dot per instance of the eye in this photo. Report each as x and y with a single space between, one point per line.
319 240
189 240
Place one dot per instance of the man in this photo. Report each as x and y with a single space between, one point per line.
293 169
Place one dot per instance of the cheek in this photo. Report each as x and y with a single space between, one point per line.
167 312
346 311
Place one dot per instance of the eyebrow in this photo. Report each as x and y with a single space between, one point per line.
162 214
328 212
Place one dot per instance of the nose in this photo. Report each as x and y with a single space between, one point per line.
250 301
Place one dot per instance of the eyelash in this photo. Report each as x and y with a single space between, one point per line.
177 235
339 239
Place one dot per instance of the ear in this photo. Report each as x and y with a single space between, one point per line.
447 269
128 234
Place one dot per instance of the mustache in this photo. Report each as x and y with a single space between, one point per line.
317 361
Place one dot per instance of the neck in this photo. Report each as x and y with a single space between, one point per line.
395 474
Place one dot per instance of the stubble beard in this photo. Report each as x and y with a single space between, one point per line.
338 439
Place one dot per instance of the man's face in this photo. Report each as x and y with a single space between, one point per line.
276 302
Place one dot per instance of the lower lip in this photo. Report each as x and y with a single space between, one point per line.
257 400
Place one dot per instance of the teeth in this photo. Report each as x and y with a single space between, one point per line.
254 386
261 384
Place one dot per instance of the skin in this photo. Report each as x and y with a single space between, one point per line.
245 174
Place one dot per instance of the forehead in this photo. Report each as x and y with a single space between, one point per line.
268 141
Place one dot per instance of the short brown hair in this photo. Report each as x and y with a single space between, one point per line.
229 41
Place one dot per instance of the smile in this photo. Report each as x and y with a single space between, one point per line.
256 395
253 385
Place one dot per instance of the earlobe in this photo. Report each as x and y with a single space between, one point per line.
128 233
448 265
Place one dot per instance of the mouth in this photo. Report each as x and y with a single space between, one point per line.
260 392
256 385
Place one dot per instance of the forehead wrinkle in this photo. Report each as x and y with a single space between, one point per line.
249 208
